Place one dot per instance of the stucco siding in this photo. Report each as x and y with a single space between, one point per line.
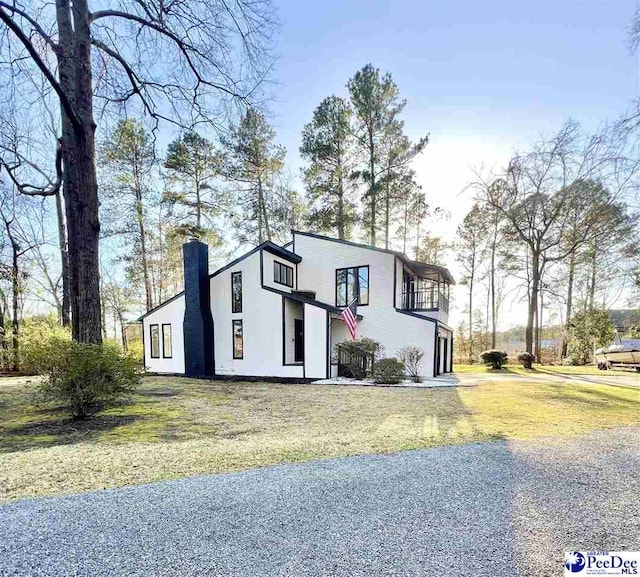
315 342
173 314
261 324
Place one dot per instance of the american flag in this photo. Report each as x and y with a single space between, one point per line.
349 316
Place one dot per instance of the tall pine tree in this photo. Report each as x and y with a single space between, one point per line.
328 146
193 164
254 163
387 151
376 103
129 157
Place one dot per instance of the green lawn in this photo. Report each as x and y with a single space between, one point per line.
176 427
546 369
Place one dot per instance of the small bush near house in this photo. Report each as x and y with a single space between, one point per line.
494 357
388 371
526 359
359 356
411 357
87 377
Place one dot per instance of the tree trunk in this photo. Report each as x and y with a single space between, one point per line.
471 316
570 280
404 229
533 301
592 283
372 188
486 319
492 281
3 340
387 210
341 215
15 302
123 332
103 311
143 251
198 205
80 184
64 261
539 315
262 209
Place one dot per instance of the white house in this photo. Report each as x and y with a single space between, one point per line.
274 311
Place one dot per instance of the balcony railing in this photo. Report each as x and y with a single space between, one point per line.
424 299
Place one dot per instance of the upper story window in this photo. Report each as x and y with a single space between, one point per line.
236 292
282 274
352 283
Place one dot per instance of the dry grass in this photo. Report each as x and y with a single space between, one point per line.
180 427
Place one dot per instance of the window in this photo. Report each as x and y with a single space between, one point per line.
282 274
236 292
238 344
351 283
166 341
155 341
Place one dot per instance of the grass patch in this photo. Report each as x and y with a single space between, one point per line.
178 427
517 369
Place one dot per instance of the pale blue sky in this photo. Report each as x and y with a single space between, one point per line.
482 77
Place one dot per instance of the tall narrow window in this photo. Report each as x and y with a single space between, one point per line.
282 274
166 341
155 341
352 283
238 343
236 292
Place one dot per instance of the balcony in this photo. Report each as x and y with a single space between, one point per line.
425 299
426 288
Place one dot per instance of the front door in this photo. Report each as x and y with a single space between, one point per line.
298 337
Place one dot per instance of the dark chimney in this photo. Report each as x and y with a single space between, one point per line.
198 323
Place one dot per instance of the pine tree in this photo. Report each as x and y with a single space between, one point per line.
398 153
471 234
376 103
388 153
129 157
254 163
193 164
328 146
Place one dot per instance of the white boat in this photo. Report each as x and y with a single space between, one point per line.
617 356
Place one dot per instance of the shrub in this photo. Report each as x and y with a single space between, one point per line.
135 351
588 330
388 371
87 377
411 357
359 356
494 357
526 359
39 336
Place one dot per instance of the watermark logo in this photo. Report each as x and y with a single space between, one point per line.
602 563
574 561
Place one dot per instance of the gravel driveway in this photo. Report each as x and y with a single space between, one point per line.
491 509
